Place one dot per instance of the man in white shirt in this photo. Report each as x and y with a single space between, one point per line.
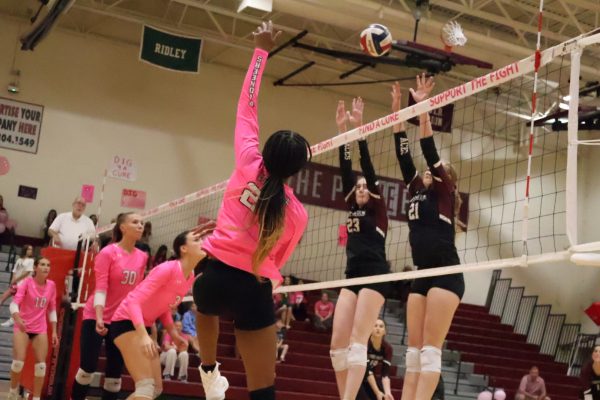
70 227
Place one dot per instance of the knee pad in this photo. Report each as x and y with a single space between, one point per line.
431 359
82 377
499 394
339 359
413 360
39 370
112 385
357 354
145 388
157 392
17 366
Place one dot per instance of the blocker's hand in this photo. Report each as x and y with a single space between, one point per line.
265 37
424 87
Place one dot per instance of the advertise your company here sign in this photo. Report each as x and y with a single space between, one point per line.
20 125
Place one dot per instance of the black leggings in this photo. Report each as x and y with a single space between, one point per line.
89 350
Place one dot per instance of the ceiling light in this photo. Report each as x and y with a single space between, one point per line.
262 5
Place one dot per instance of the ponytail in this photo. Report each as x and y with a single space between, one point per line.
457 199
270 214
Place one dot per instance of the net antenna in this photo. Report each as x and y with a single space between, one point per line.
453 35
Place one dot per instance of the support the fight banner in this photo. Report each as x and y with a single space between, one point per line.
321 185
20 125
170 51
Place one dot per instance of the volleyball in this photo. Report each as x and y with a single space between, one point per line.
376 40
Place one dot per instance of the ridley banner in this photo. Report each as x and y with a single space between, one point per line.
166 50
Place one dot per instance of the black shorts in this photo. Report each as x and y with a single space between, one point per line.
229 292
383 288
117 328
90 343
454 283
31 335
442 255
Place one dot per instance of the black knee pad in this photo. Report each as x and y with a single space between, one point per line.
267 393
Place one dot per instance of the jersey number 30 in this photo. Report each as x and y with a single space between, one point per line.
353 225
413 211
129 277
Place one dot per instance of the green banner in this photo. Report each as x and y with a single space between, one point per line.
174 52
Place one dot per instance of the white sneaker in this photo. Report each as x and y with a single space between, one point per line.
214 384
8 323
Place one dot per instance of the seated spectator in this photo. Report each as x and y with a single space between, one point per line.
49 220
22 269
172 356
590 377
160 256
282 348
299 303
323 318
70 227
189 326
376 384
283 308
498 394
7 226
532 386
94 219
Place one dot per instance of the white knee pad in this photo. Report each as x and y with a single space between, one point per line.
145 388
157 392
17 366
485 395
431 359
339 359
39 370
499 395
357 354
112 385
82 377
413 360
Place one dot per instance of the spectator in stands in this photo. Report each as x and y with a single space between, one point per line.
94 219
189 326
590 377
22 269
144 243
70 227
49 220
283 308
173 355
376 384
323 318
7 226
160 256
282 348
299 302
499 394
532 386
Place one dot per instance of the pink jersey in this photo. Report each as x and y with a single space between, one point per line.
164 288
236 235
117 273
35 302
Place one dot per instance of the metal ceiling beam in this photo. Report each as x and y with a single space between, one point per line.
571 16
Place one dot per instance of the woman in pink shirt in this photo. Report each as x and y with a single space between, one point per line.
35 299
258 227
118 268
164 288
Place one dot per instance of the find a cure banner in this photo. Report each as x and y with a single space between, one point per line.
167 50
321 185
20 125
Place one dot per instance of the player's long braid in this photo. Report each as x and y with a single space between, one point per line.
284 154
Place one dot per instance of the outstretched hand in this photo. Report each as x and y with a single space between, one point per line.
424 87
265 37
340 116
356 116
396 94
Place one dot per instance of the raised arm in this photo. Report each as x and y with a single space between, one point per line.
407 167
246 126
424 87
366 165
348 178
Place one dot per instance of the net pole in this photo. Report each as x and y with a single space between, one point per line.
537 63
573 128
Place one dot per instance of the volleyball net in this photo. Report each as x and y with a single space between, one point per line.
482 127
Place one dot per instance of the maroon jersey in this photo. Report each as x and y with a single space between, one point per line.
430 210
379 360
367 225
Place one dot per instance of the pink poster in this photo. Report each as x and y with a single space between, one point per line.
87 192
133 199
342 235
